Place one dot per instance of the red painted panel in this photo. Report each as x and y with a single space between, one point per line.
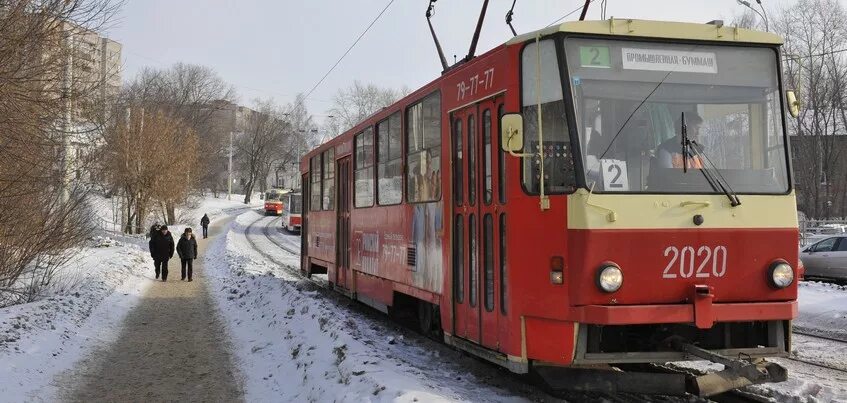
374 287
663 266
549 340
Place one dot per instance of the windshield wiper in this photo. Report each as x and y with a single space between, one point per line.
713 174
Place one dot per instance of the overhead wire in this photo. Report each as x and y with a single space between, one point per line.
568 14
384 9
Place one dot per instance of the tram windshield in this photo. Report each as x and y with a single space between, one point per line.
633 100
273 195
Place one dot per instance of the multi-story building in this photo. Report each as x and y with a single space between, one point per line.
94 79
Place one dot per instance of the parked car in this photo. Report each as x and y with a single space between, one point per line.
826 258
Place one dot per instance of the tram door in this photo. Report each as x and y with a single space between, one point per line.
476 237
342 258
304 224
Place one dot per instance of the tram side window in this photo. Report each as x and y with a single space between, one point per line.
315 188
423 150
389 161
364 192
329 179
559 175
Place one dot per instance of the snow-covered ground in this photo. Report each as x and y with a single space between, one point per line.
294 342
94 291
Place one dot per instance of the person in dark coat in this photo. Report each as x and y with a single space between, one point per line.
154 232
162 249
187 250
204 222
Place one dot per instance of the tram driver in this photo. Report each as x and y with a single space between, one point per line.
669 153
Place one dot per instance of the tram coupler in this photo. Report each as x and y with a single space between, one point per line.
737 373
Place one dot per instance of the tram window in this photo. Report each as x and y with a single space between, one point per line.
364 189
559 174
458 189
315 173
471 160
329 179
488 262
423 150
503 273
389 161
459 259
486 156
501 163
474 261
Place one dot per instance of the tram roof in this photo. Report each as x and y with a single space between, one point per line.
657 29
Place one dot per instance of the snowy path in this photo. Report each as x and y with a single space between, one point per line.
172 347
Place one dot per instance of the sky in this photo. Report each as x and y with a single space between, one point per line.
278 48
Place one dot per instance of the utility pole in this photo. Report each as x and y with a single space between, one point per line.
229 180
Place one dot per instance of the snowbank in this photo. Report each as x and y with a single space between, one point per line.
41 339
823 309
295 342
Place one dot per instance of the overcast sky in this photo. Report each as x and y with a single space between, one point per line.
275 49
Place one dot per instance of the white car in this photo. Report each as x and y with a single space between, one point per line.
826 258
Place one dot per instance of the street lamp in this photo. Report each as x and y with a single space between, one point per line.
764 17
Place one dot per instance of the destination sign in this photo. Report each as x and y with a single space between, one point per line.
669 60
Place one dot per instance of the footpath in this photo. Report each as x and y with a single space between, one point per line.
172 347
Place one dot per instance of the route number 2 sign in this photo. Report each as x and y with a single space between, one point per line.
614 175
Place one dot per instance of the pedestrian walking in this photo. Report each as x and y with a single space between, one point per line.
154 232
162 249
187 250
204 222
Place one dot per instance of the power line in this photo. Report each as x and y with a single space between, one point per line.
568 14
348 50
831 52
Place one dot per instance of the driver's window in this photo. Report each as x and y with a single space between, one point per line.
824 246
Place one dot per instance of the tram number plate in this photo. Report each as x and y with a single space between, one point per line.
702 262
614 175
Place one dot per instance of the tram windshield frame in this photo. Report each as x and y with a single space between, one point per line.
639 91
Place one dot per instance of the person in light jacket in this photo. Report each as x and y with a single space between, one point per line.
187 250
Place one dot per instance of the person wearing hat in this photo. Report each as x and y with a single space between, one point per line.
162 249
187 250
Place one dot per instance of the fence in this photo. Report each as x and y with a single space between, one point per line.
812 231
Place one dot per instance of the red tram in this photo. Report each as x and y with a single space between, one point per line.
598 192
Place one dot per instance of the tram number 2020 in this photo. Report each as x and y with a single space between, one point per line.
687 262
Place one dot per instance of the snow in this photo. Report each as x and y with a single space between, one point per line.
39 340
295 342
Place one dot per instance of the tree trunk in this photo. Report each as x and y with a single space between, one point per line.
248 190
170 209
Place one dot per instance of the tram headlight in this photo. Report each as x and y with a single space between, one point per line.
780 274
609 277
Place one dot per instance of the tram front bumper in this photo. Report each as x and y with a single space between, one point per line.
684 313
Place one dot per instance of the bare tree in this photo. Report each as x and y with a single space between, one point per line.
814 30
262 140
150 157
192 94
44 215
353 104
